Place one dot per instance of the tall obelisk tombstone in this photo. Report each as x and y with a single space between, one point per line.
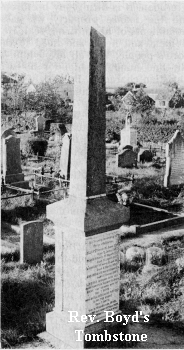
87 235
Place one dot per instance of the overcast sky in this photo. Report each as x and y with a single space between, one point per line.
144 40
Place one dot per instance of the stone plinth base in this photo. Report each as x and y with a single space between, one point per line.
89 215
60 332
13 178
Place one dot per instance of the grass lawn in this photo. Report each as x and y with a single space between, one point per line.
27 294
158 292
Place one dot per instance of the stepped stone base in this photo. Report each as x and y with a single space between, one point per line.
89 215
61 333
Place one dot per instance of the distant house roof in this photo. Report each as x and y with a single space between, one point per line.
129 99
8 79
153 96
159 94
30 89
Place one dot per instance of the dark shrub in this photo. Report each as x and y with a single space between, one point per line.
36 146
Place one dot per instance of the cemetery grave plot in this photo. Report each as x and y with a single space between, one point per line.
152 276
148 187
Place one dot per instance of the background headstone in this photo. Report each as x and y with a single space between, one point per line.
6 133
31 242
40 123
127 159
128 133
174 174
65 159
47 124
144 155
12 171
129 136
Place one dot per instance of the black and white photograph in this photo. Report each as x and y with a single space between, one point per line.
92 174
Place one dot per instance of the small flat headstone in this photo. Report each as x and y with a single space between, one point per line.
127 158
12 171
31 242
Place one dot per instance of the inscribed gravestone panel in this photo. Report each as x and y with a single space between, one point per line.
31 242
11 159
103 273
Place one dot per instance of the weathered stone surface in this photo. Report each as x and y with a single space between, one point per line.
174 174
65 160
31 242
127 159
12 171
135 254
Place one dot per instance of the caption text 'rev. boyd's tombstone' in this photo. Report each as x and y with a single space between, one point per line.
87 251
174 174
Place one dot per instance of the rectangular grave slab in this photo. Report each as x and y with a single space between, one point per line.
31 242
12 171
126 159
